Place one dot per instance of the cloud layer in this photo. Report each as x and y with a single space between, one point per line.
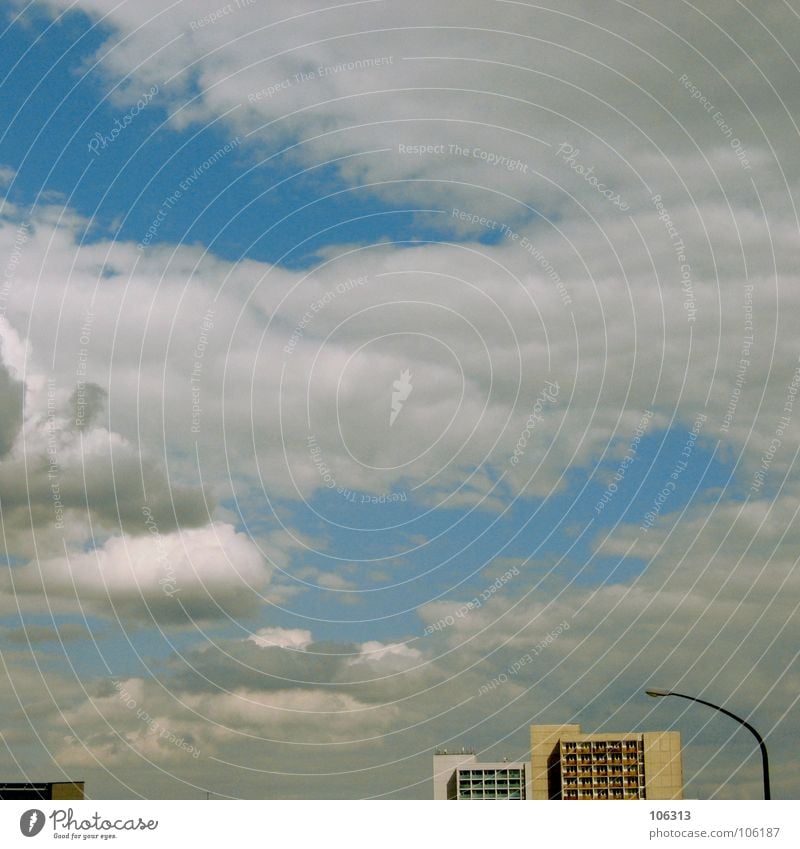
208 454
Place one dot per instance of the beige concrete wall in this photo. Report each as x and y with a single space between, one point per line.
68 790
663 765
544 738
662 758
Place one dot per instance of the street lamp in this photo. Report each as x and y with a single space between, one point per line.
657 693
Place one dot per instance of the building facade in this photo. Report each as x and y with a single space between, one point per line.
568 764
46 790
462 776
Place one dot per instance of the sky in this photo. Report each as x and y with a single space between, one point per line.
352 352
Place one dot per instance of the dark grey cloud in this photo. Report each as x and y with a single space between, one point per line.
67 632
12 393
86 403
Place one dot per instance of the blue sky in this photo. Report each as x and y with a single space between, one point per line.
200 555
64 109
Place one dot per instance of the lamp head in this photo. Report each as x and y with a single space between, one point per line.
655 692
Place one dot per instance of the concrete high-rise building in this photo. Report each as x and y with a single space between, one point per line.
567 764
462 776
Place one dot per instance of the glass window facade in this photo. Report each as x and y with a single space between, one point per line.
603 769
475 782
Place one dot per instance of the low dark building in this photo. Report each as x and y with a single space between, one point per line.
48 790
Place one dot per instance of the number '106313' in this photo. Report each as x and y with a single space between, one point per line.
670 815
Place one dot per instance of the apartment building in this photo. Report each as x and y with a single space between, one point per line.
568 764
462 776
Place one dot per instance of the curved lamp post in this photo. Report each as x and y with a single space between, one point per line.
656 693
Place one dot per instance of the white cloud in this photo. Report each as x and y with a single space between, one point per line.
479 327
511 80
7 175
195 573
293 638
373 651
